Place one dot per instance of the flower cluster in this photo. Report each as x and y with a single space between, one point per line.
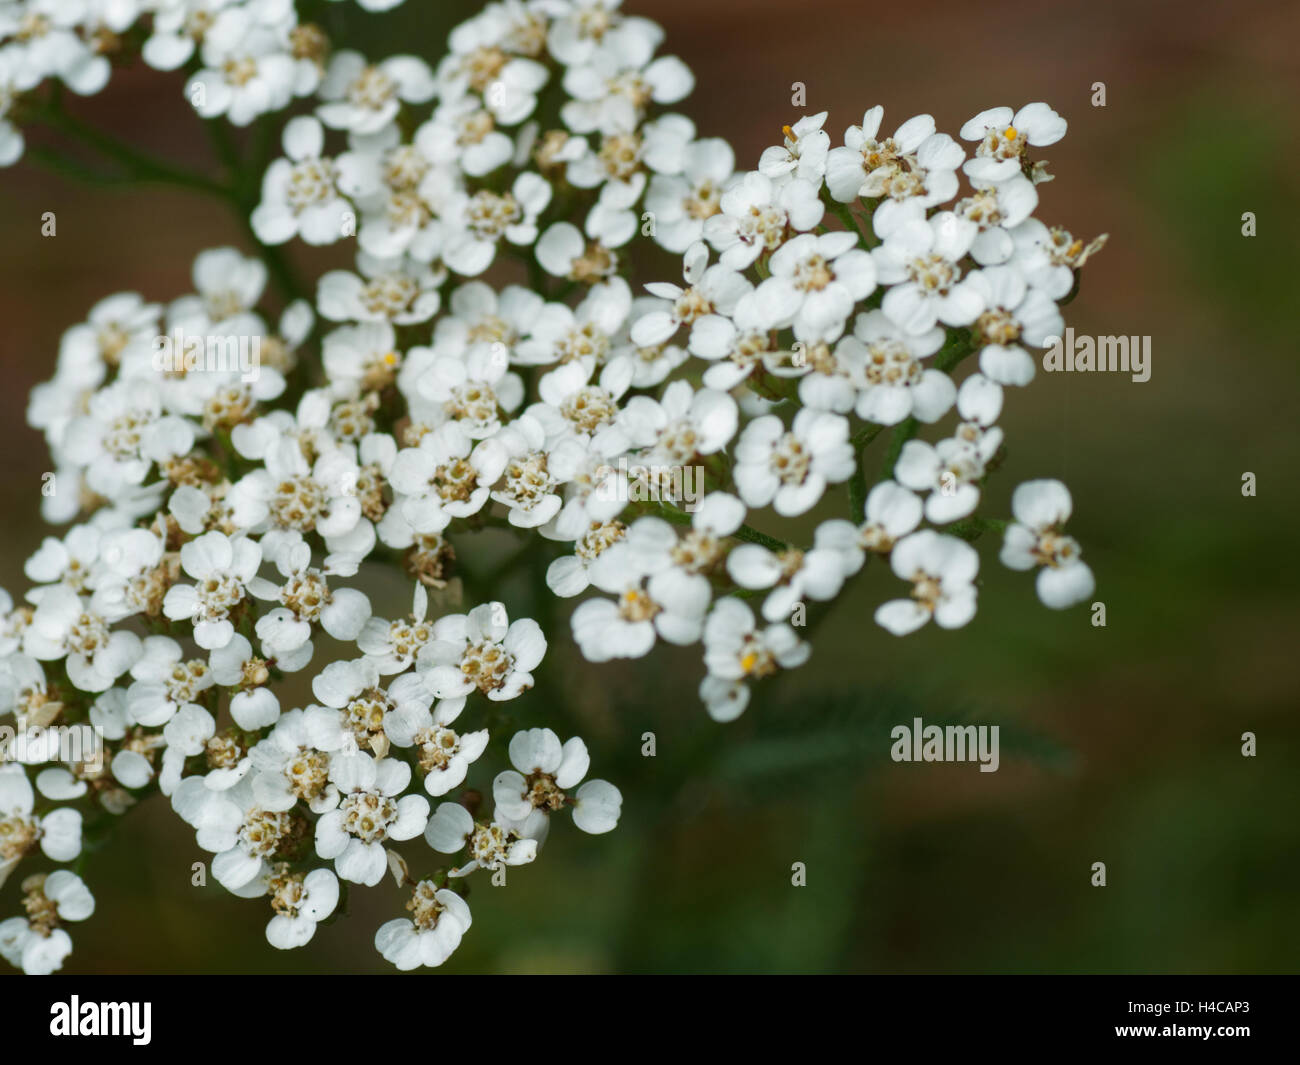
483 361
243 58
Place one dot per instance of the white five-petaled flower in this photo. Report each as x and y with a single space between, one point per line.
439 919
736 650
1004 138
369 812
363 99
790 469
815 283
485 650
544 773
58 833
1036 538
920 260
491 845
300 194
301 901
37 943
222 568
942 570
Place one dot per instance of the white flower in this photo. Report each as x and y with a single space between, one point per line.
1036 538
186 735
735 650
1048 258
227 283
996 209
583 333
681 203
485 650
12 80
394 644
569 575
949 470
163 683
368 814
814 284
446 476
301 902
372 714
397 290
443 754
712 294
793 575
246 72
891 512
178 26
756 216
363 98
1004 138
463 130
864 166
885 364
58 833
244 836
440 918
491 845
222 568
790 469
612 86
305 599
544 772
563 251
803 152
293 762
478 222
942 570
666 602
124 433
70 560
36 944
119 329
1015 314
64 625
683 423
299 193
919 259
472 390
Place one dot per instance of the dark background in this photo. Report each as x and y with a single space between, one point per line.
1120 744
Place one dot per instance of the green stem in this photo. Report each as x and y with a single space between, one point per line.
858 482
139 167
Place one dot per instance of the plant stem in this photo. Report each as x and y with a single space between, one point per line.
139 167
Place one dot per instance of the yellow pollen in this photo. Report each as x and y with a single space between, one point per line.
1010 133
390 359
748 661
789 133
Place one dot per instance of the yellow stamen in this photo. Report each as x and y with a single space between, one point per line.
748 661
1010 133
789 133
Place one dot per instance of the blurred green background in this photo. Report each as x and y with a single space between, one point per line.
1120 744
